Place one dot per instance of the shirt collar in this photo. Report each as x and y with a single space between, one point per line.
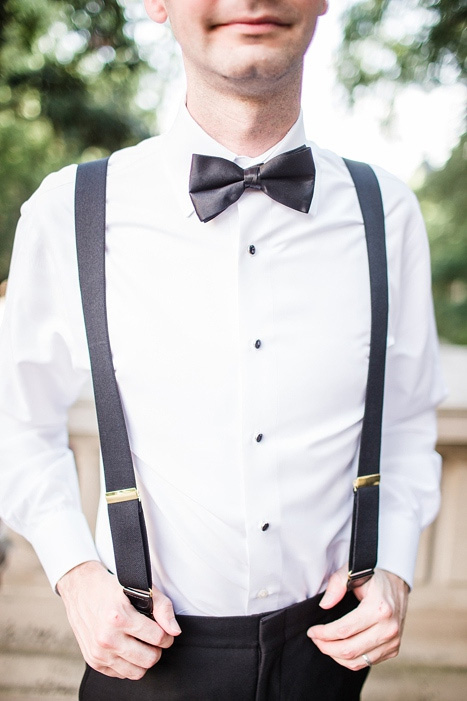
186 137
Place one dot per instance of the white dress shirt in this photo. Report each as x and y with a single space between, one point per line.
236 525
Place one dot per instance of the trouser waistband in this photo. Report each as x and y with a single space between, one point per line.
267 630
264 657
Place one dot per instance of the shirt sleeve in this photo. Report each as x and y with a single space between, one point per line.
41 375
410 467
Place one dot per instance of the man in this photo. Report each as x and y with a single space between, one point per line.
240 347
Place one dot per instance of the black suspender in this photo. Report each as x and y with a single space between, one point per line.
364 539
125 512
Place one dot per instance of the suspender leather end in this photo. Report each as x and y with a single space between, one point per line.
141 599
366 481
121 495
356 579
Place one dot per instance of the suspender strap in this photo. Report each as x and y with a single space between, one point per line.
125 512
364 538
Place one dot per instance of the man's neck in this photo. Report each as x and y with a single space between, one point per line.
246 125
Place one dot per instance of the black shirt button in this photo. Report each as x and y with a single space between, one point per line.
264 526
252 250
259 437
258 344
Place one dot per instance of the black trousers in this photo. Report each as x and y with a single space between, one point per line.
265 657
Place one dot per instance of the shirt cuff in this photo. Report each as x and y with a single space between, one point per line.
62 541
398 546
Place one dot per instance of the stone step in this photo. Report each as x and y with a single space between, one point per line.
435 638
34 621
6 695
395 681
36 677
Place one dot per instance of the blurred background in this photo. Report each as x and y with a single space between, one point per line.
385 82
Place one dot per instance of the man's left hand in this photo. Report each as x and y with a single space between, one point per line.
373 629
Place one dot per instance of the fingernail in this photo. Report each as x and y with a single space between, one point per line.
174 625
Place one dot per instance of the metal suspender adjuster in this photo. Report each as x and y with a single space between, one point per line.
141 600
356 579
366 481
121 495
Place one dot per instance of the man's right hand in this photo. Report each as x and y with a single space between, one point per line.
115 639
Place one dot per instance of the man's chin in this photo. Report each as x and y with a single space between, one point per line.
255 65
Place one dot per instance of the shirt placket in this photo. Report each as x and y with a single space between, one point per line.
258 382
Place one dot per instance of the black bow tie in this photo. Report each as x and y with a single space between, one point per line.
216 183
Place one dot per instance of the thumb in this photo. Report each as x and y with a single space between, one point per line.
164 614
336 589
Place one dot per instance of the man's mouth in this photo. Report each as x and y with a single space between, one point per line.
253 25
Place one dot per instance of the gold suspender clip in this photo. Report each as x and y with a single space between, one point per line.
122 495
366 481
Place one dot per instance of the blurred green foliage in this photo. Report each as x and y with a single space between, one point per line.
69 73
422 41
443 198
388 44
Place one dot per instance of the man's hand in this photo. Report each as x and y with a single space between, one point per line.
374 628
114 637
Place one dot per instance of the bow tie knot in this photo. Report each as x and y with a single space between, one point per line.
216 183
252 177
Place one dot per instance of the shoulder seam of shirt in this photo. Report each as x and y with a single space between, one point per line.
120 163
49 183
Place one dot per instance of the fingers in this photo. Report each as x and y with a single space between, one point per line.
124 656
130 643
114 637
374 628
148 630
379 642
357 621
120 669
376 655
336 589
164 614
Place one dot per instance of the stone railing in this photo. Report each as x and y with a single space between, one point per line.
442 561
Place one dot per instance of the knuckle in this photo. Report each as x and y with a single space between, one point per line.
165 607
95 663
93 660
385 611
159 637
103 642
343 632
153 656
393 630
347 654
164 640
